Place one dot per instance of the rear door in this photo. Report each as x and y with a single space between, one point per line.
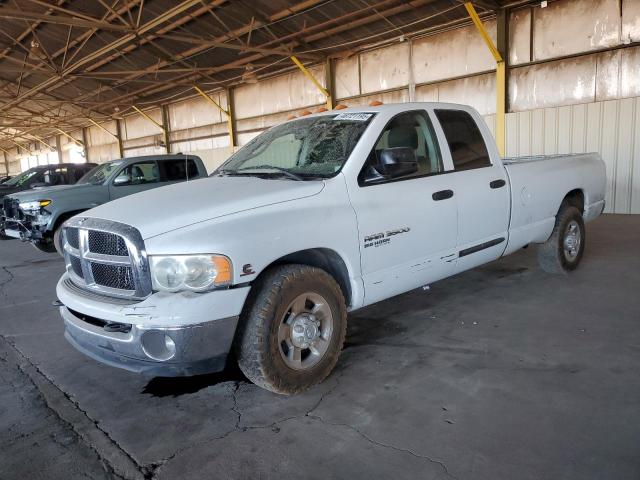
479 183
134 178
178 170
407 225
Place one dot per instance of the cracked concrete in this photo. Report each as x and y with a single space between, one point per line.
501 372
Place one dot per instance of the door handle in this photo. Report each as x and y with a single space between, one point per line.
442 195
497 183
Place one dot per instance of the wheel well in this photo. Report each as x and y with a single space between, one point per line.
324 258
575 198
64 217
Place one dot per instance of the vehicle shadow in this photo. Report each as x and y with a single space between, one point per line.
177 386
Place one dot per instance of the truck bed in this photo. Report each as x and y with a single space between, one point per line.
538 185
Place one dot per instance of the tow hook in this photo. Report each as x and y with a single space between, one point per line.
57 303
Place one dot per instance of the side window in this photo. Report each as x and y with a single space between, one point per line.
179 169
138 174
55 176
78 172
466 144
411 135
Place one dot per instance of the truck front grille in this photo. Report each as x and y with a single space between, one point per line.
113 276
73 237
106 257
107 244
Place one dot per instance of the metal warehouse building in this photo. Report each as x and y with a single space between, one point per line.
320 239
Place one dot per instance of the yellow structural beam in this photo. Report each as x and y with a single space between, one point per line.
75 140
148 118
42 141
501 77
310 76
102 128
227 112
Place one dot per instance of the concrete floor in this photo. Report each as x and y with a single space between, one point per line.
503 372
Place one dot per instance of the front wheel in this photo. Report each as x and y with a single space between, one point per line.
564 249
44 246
292 329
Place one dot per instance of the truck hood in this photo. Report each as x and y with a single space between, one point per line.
162 210
57 191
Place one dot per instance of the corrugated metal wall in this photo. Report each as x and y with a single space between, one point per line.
611 128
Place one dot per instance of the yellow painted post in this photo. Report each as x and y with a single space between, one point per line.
501 79
310 76
228 113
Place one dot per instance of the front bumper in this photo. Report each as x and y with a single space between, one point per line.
200 348
118 333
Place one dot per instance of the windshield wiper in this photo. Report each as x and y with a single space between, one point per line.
286 172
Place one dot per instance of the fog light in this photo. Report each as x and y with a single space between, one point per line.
158 345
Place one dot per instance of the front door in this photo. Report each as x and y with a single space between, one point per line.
134 178
407 225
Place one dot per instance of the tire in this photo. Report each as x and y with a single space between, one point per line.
558 254
285 300
43 246
57 240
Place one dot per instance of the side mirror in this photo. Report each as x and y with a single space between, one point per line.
394 163
121 180
38 184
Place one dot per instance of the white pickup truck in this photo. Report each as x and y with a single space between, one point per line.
313 218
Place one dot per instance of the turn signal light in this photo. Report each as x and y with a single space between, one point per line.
340 107
375 103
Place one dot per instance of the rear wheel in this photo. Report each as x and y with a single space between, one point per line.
564 249
292 329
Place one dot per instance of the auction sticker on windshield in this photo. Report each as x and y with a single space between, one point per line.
359 117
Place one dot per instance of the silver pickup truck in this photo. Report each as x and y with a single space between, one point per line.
37 215
313 218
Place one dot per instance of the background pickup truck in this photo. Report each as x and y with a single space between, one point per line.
42 176
313 218
38 215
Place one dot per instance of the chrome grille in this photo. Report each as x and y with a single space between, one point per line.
106 257
107 244
73 237
113 276
76 266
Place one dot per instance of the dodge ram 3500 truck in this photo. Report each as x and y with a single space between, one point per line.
313 218
37 215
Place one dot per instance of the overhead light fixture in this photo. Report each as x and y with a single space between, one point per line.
249 76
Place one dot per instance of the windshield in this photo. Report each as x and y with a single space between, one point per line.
315 147
99 174
20 179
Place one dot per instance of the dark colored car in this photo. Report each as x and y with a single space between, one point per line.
42 176
45 176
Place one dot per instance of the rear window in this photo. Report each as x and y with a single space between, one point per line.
468 150
179 169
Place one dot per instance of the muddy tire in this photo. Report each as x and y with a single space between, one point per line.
562 252
291 329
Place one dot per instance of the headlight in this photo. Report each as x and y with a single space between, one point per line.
190 272
35 205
